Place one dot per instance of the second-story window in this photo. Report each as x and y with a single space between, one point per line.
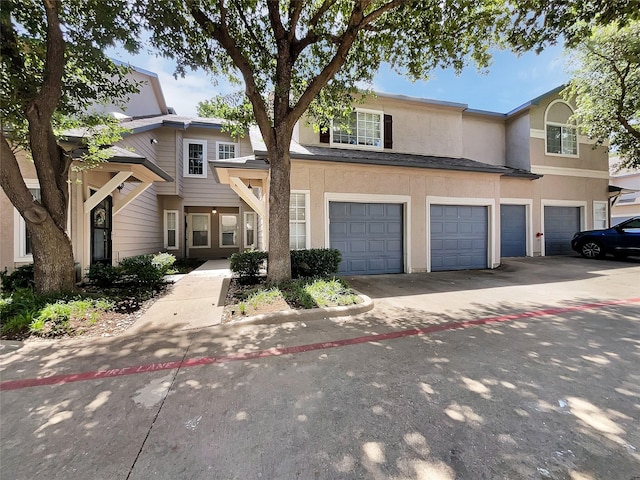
561 132
363 129
225 150
195 158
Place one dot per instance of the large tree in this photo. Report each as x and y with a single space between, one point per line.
52 69
309 56
606 87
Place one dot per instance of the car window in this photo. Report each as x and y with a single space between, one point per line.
631 225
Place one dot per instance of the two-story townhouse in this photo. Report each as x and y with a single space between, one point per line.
421 185
156 192
411 185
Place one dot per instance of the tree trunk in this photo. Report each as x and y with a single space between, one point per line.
279 264
53 262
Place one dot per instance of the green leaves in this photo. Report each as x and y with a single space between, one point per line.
606 86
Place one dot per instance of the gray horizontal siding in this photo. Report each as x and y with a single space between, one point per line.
138 227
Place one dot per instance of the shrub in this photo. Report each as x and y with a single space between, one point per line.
163 262
21 277
315 262
102 275
140 270
247 265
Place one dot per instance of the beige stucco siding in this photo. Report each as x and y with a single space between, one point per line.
483 139
327 180
517 150
590 157
419 128
6 232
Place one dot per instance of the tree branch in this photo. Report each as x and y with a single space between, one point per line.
220 33
357 21
12 181
326 5
295 10
276 22
47 100
260 45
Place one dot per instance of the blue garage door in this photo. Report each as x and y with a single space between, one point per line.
560 223
513 231
458 237
369 236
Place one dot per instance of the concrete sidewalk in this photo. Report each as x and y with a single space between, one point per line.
195 300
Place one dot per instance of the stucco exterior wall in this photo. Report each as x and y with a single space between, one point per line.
590 157
391 185
418 127
483 139
517 150
6 232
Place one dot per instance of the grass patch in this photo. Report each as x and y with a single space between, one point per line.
313 293
296 294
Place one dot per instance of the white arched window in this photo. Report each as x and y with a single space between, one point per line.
560 132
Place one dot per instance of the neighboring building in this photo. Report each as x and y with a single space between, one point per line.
421 185
625 188
414 185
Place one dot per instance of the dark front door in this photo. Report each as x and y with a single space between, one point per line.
101 232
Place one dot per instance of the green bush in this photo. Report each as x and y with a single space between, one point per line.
315 262
141 271
163 262
102 275
21 277
247 265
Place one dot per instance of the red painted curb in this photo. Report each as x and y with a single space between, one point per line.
274 352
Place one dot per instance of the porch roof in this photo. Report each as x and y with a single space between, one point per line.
123 159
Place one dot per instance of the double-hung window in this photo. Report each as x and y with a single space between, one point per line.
225 150
195 158
199 230
364 129
298 221
562 139
171 229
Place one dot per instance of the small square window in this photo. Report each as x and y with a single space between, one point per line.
226 150
195 158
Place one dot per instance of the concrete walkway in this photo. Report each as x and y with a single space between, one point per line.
195 300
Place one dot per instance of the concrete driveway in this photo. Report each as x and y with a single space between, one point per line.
526 372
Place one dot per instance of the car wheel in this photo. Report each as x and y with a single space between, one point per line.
592 249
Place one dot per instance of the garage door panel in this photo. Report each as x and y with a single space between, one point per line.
357 228
374 242
513 230
338 228
357 246
560 223
459 237
376 227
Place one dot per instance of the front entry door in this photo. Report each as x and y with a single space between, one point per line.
101 222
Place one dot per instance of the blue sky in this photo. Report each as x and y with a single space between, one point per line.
510 81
